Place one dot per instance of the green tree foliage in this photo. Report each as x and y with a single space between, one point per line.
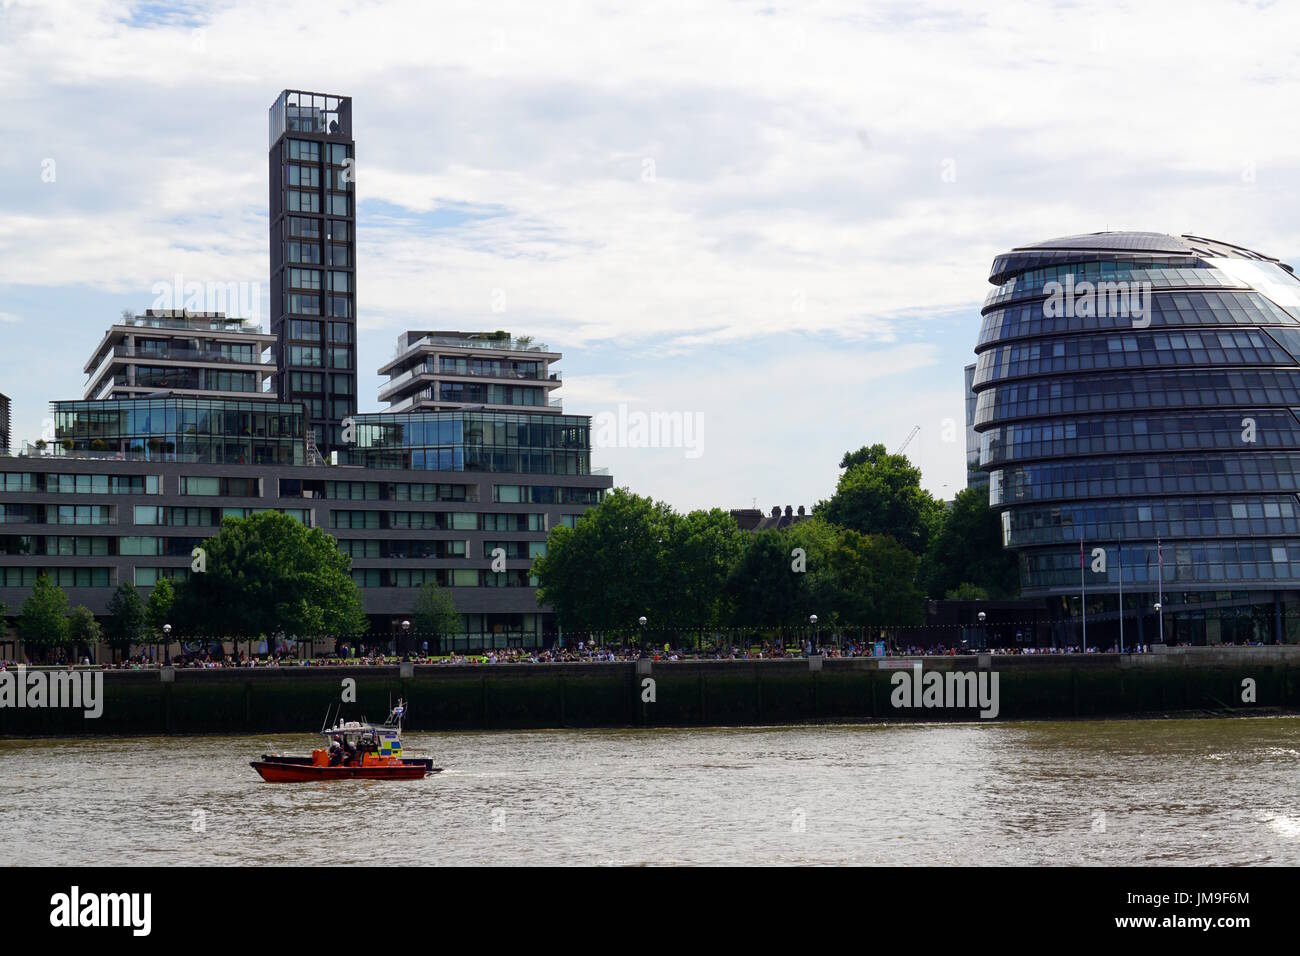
632 556
607 571
268 573
968 550
874 579
967 592
774 585
43 621
849 578
435 612
703 547
763 588
83 629
861 557
159 609
880 493
125 624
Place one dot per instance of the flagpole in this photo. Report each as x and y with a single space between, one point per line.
1160 591
1119 555
1083 595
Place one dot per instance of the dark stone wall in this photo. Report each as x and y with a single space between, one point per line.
691 693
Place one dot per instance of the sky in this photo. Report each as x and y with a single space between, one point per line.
771 220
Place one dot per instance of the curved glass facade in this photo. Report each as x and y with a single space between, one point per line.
1135 387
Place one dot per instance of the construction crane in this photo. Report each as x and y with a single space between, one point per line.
908 440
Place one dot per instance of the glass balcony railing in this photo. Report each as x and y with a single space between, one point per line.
192 355
499 345
394 384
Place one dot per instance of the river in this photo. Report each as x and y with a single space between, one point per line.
1100 792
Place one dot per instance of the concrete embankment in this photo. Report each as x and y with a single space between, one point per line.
687 693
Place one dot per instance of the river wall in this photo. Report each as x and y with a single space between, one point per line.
687 693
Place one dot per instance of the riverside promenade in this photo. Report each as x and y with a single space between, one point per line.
1169 681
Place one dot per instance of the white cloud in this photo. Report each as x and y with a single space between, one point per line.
662 185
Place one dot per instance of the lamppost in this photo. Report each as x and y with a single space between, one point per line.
1160 620
812 647
641 621
983 641
167 645
406 631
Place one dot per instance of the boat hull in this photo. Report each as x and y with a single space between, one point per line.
275 769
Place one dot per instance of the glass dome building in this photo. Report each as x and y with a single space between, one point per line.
1137 401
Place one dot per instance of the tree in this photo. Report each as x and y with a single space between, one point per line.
848 579
874 579
608 571
159 609
703 547
966 592
125 624
268 573
781 578
968 550
880 493
83 629
765 591
43 621
435 613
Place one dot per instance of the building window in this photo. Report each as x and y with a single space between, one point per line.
307 252
303 228
304 304
305 279
298 329
304 355
298 201
302 176
302 149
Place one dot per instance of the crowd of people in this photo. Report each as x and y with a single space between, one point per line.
580 652
570 651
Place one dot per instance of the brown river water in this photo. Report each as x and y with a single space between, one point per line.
1107 793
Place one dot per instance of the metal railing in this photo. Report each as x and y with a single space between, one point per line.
500 345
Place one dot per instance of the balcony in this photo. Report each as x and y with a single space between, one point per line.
500 345
190 355
394 385
200 322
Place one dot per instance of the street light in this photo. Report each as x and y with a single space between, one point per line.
641 621
983 641
1160 617
812 620
167 646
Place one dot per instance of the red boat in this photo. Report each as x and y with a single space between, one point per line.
357 751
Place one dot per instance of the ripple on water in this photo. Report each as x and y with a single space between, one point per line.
1094 793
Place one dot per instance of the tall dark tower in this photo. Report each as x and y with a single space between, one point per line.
313 258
